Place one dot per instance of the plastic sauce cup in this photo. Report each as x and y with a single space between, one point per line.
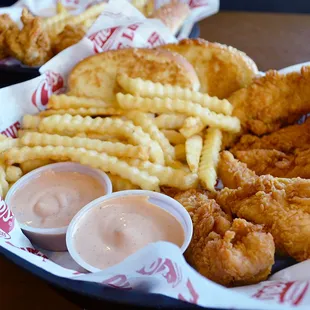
54 239
164 202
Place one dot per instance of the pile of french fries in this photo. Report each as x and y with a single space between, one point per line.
155 135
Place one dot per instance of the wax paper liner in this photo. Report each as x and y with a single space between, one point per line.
200 9
159 267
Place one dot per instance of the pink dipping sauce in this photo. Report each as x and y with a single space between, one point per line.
117 228
53 198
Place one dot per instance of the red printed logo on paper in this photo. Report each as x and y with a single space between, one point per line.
11 131
155 40
104 40
169 270
193 294
197 3
30 250
291 293
101 37
6 220
52 84
119 281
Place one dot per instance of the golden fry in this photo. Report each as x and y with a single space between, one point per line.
173 136
148 126
192 126
83 112
170 121
94 159
158 105
193 148
120 184
13 174
149 89
30 165
114 149
209 158
180 152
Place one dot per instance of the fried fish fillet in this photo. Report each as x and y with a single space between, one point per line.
31 45
221 69
272 101
229 252
281 205
284 140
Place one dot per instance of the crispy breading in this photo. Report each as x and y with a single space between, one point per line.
272 101
277 163
282 205
285 140
228 252
6 23
71 35
31 45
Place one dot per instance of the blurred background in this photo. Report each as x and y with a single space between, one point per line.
281 6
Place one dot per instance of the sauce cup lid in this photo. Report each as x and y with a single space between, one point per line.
161 200
58 167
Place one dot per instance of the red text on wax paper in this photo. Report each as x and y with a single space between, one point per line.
168 269
197 3
193 296
11 131
30 250
76 2
119 281
291 293
173 275
53 83
6 220
104 39
155 40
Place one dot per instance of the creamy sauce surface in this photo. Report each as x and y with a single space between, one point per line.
118 227
53 198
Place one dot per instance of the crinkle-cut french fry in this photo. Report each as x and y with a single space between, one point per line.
83 112
148 126
115 149
22 132
209 158
89 22
13 173
90 13
111 126
175 164
108 138
53 20
3 137
139 4
167 175
30 165
8 143
60 8
120 184
4 185
173 136
150 89
170 121
192 126
158 105
31 121
149 8
180 152
193 149
85 157
61 102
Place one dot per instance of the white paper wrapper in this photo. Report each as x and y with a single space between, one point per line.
159 267
200 9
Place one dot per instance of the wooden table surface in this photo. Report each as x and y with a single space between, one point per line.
272 40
